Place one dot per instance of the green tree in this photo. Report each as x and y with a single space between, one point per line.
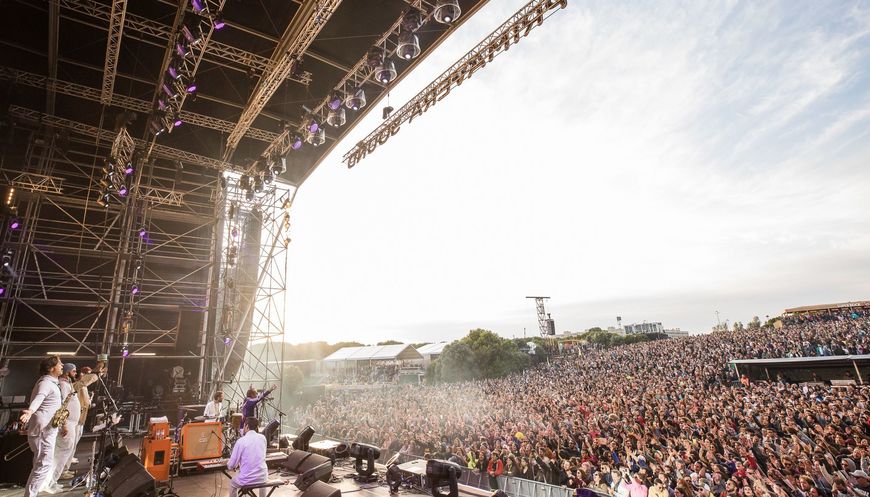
480 354
755 323
391 342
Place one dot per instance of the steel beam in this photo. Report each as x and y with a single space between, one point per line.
113 49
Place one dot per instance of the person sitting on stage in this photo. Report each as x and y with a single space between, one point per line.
41 436
249 408
249 457
214 409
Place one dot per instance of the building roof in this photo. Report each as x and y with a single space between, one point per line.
800 360
826 307
375 353
432 348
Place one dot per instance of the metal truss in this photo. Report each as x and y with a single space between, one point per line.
123 147
359 74
216 52
499 41
38 183
125 102
161 151
252 296
161 196
113 49
311 17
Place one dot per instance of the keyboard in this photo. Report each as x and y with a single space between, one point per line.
221 463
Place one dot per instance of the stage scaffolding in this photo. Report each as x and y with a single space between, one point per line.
73 264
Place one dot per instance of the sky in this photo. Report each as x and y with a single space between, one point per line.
654 160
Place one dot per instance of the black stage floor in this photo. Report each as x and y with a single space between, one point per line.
216 484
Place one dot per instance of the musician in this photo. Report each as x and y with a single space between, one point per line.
214 409
249 457
249 408
65 447
45 400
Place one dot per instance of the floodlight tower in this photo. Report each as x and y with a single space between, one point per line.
546 324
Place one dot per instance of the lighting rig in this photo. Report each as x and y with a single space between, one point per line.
179 81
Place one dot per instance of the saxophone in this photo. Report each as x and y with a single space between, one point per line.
59 418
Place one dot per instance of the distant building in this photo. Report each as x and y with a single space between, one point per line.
633 329
676 333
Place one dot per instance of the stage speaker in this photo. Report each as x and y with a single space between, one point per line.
320 489
300 461
130 479
16 458
322 472
201 441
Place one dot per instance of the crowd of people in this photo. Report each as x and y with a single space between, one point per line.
668 418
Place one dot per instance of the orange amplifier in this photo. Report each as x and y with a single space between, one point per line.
158 429
201 441
157 457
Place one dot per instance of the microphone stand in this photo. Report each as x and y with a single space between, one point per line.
95 479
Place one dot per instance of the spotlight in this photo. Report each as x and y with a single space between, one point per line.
2 291
447 11
134 289
7 258
386 112
191 86
245 182
192 34
235 232
181 49
296 142
218 21
138 264
142 232
128 169
125 352
176 120
103 201
15 223
268 177
198 5
412 20
440 473
303 437
318 138
279 167
156 126
386 72
169 91
122 191
173 71
336 118
311 124
364 452
228 340
258 184
356 100
249 195
334 101
375 57
409 45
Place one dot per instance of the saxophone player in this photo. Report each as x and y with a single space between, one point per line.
45 400
68 436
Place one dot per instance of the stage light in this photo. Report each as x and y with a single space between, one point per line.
303 438
311 124
447 11
440 473
125 352
15 223
271 430
142 232
193 35
296 142
268 177
176 119
191 86
375 57
235 232
412 20
173 71
169 91
198 5
181 49
2 291
138 264
249 195
356 99
103 200
386 112
386 72
318 138
128 169
122 191
7 258
334 102
156 125
409 46
258 184
364 452
218 21
279 167
227 340
134 289
336 118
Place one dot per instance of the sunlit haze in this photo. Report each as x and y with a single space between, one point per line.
657 161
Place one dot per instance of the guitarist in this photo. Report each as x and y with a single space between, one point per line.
249 408
45 400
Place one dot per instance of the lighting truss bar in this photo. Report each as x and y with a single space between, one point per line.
161 196
360 73
218 53
38 183
162 151
123 147
300 33
113 49
515 28
125 102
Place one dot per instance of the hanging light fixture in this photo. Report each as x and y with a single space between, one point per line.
336 118
446 11
386 72
356 99
317 138
334 102
409 45
412 20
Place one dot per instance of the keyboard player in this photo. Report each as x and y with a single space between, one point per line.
249 457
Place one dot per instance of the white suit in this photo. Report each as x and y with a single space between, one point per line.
45 400
66 444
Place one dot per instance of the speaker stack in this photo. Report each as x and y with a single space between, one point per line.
300 461
130 479
320 489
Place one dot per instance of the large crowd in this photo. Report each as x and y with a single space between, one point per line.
668 418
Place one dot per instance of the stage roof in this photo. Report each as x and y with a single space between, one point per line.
432 348
401 352
54 59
